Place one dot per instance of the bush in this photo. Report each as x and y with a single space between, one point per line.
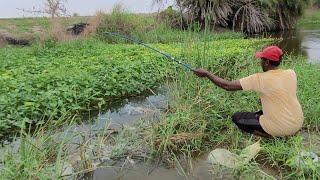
172 18
248 16
316 3
122 22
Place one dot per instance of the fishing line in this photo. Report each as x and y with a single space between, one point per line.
145 45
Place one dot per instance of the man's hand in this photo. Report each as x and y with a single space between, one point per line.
224 84
200 72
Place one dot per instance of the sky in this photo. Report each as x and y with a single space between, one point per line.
9 8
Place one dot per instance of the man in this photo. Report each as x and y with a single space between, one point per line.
281 113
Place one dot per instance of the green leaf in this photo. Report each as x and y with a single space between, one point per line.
29 104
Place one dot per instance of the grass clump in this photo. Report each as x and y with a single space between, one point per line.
34 155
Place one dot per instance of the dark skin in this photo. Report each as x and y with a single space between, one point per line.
234 85
230 85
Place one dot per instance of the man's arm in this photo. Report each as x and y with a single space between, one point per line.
222 83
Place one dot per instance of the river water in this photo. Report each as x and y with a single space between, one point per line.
305 40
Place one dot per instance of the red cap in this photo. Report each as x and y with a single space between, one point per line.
272 53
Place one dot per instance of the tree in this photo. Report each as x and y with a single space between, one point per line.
54 8
247 15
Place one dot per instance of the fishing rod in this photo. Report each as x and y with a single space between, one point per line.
145 45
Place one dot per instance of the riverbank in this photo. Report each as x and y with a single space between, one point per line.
311 16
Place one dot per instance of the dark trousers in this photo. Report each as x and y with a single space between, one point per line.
248 121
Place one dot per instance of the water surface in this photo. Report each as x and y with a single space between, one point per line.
305 40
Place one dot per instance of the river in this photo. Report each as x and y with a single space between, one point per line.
304 40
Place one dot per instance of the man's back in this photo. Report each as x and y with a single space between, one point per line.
282 112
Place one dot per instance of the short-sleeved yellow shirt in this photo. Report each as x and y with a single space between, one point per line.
282 112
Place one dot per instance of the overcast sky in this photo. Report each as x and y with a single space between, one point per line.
8 8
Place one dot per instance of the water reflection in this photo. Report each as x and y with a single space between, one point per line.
304 40
291 43
127 111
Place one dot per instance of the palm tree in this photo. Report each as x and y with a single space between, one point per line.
247 15
216 11
285 12
250 17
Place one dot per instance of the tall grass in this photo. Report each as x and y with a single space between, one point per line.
203 112
72 152
148 28
35 154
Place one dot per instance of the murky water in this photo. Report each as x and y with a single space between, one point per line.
127 111
304 40
200 170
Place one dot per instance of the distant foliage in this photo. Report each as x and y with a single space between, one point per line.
247 15
316 3
123 22
172 17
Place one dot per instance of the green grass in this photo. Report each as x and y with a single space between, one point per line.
37 25
36 156
166 35
310 17
24 25
47 152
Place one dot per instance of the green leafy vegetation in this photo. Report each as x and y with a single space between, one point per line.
49 81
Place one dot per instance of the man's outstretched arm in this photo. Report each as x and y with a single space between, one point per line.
222 83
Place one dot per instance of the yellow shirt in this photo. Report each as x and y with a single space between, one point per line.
282 112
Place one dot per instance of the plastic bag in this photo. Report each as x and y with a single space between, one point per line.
230 160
